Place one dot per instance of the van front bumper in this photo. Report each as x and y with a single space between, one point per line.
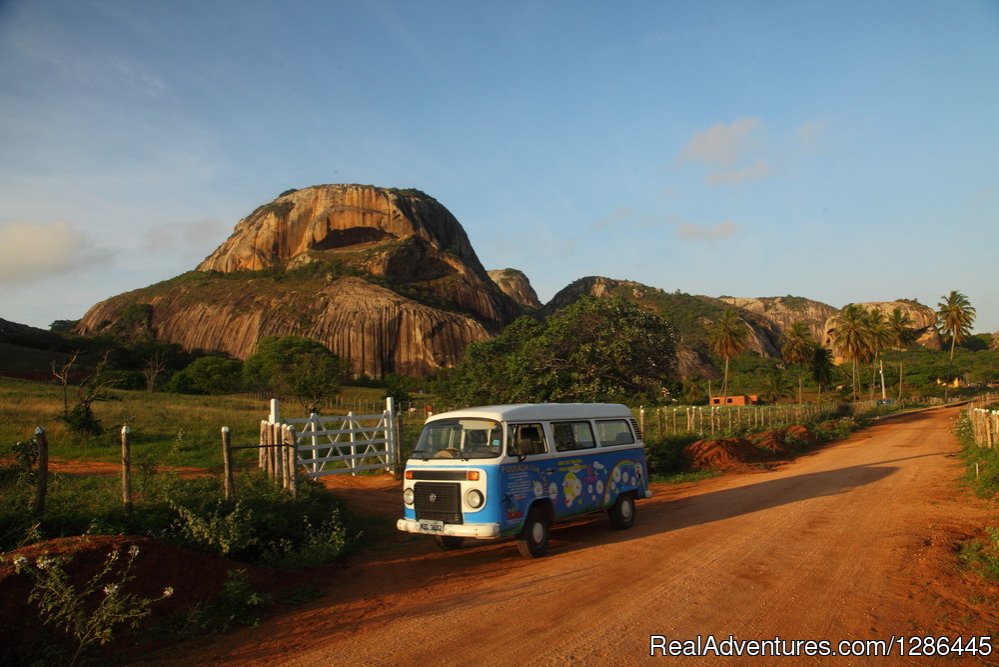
479 530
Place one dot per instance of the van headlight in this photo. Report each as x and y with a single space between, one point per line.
474 499
407 496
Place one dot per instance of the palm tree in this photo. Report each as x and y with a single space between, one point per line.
773 386
797 349
852 338
728 337
900 323
822 366
955 316
882 337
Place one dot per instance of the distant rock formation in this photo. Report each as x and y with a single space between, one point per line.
690 315
516 286
387 279
784 311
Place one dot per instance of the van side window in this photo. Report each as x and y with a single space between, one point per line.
614 432
527 439
573 435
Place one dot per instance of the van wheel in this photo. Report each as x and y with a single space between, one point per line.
622 514
533 539
448 542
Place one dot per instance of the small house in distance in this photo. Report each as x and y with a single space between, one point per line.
740 399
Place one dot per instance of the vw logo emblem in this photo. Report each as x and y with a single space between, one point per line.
433 498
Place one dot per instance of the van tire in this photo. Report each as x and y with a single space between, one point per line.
622 514
533 538
448 542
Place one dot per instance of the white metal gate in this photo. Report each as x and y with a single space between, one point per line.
339 444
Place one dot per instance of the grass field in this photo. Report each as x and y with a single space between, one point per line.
171 429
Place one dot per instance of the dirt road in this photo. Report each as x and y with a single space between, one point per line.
854 541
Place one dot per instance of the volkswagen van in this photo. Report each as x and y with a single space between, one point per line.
514 470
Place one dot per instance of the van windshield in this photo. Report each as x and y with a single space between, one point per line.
460 439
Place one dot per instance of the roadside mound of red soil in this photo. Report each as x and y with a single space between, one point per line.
195 578
723 454
739 453
771 441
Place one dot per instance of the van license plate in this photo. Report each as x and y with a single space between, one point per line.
432 526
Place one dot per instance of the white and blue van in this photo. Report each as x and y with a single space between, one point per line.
514 470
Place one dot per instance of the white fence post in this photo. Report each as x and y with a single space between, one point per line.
392 444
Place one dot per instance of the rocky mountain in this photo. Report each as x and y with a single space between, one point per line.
386 278
516 286
784 311
690 316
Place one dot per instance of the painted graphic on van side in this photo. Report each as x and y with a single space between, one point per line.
574 486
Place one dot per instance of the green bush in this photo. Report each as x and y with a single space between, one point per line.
665 457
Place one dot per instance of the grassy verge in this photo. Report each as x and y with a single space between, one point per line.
176 429
982 476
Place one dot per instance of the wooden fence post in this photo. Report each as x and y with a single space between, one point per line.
277 454
292 466
228 486
263 441
42 440
126 469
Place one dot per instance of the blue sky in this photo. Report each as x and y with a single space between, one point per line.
841 151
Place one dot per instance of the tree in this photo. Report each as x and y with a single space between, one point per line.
797 349
900 324
592 350
774 386
93 386
882 337
728 337
852 338
822 366
955 315
153 367
208 375
295 366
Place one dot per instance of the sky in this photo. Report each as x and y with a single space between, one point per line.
841 151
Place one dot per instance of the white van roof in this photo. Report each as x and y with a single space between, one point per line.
547 411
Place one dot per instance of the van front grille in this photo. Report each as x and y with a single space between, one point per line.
438 502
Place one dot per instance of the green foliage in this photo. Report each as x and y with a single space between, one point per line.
220 530
664 457
982 555
81 420
592 350
320 544
295 366
237 602
208 375
90 614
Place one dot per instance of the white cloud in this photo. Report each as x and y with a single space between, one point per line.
691 232
31 252
755 171
724 145
809 134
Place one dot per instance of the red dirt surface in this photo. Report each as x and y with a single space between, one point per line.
855 540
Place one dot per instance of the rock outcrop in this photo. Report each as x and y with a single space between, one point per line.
784 311
515 285
690 315
387 279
